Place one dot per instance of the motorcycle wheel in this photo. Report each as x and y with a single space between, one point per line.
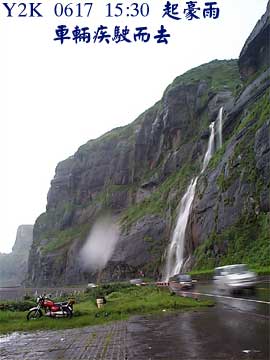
68 312
34 314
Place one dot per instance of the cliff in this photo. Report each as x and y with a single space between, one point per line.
140 172
13 266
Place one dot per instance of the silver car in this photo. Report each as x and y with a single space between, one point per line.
234 278
181 282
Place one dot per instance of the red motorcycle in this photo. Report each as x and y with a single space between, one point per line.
52 309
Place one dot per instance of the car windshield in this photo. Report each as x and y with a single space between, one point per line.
180 277
238 269
185 278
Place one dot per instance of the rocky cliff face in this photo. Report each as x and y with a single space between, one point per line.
141 171
13 266
230 219
255 54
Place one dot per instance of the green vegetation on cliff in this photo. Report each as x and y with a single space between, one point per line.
219 74
258 111
247 241
242 163
63 238
157 203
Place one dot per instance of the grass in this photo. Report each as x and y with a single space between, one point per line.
121 303
219 74
261 270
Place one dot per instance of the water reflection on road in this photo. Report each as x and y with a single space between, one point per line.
209 334
246 301
236 328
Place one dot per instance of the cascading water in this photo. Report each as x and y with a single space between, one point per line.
219 126
176 249
175 256
210 147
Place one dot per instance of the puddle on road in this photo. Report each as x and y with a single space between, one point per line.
199 335
22 338
9 337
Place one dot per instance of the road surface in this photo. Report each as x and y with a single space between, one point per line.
237 328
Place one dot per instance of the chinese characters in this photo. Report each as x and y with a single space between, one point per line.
102 34
191 11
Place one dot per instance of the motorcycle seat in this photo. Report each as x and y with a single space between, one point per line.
61 303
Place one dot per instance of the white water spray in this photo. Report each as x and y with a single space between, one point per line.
176 249
210 148
175 257
99 244
219 126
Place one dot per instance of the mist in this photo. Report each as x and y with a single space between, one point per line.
100 244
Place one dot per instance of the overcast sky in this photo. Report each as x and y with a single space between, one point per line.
56 97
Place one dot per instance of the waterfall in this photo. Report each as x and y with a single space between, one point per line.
176 249
219 126
175 255
210 148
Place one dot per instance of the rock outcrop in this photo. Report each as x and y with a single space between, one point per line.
140 172
255 55
13 266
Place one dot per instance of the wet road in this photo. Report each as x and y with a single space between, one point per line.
203 336
236 328
257 303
